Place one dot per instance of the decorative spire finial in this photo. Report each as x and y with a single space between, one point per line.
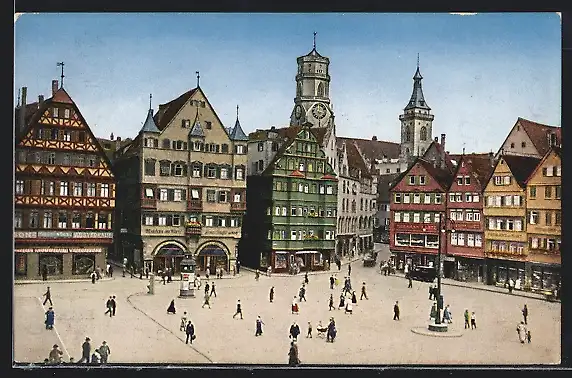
198 78
417 60
19 97
315 40
150 97
236 111
62 76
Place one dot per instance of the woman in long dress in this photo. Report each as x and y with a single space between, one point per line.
522 332
171 308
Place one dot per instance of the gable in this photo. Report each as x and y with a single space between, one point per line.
513 143
502 169
551 159
420 168
45 125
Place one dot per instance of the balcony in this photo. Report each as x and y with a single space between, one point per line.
238 206
195 205
148 203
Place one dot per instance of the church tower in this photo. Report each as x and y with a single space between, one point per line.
416 123
312 101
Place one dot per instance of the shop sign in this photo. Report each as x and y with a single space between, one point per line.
164 231
416 227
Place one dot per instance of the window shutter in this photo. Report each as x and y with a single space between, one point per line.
205 171
169 220
204 220
185 170
155 220
230 172
157 192
185 146
184 194
235 149
170 194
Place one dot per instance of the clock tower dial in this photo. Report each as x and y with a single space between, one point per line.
319 111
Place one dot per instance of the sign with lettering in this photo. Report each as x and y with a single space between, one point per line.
164 231
219 231
416 227
25 235
506 235
63 234
466 225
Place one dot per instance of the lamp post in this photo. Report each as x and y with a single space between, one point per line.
442 232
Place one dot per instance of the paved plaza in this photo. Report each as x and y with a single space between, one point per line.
143 332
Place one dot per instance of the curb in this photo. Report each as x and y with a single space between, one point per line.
425 332
76 280
173 278
301 274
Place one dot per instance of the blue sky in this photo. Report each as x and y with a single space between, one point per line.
480 72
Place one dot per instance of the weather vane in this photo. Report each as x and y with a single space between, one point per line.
315 40
198 78
62 76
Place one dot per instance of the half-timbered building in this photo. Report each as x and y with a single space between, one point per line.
64 190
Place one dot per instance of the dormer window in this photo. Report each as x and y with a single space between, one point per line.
55 112
523 144
186 123
208 124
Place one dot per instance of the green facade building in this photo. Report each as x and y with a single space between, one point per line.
290 221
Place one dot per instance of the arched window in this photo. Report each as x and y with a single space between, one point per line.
299 89
423 133
320 90
407 134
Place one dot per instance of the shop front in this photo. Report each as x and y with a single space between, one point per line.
500 271
400 259
212 257
470 269
299 261
169 255
545 277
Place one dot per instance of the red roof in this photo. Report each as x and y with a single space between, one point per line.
539 134
297 173
168 111
328 177
62 96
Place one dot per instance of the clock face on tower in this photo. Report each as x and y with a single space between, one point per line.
319 111
298 111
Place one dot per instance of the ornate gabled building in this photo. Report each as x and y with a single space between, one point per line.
64 190
182 184
291 218
357 190
416 123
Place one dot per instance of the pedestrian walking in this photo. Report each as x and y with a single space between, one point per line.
48 296
207 272
55 356
237 267
190 332
207 301
213 290
50 318
339 264
447 317
295 307
164 277
473 320
238 309
522 332
306 278
349 308
259 324
269 271
95 357
169 275
302 293
332 282
171 308
257 275
510 285
331 302
146 273
363 293
104 352
354 298
349 269
107 266
342 301
528 336
430 292
331 331
93 277
433 312
85 351
467 318
183 325
410 282
109 307
309 334
45 273
396 311
141 273
271 294
207 287
524 313
294 331
98 273
111 271
293 359
113 304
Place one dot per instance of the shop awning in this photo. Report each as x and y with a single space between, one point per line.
170 250
212 250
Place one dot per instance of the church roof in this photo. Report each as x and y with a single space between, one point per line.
149 125
314 52
417 100
237 133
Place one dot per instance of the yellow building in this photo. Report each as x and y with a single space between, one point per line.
543 221
506 240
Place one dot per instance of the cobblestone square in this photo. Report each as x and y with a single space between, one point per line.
142 331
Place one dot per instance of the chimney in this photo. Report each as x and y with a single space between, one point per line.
436 140
374 138
118 139
54 87
22 112
40 99
111 136
492 158
443 141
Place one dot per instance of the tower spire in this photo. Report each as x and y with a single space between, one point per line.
62 75
315 40
198 78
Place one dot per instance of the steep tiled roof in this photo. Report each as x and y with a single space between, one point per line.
62 96
168 111
374 149
355 162
481 166
417 100
149 125
439 149
521 166
443 176
539 134
237 133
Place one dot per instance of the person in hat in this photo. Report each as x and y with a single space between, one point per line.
85 351
190 331
171 308
50 318
238 309
271 294
363 293
104 352
259 324
55 356
294 331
